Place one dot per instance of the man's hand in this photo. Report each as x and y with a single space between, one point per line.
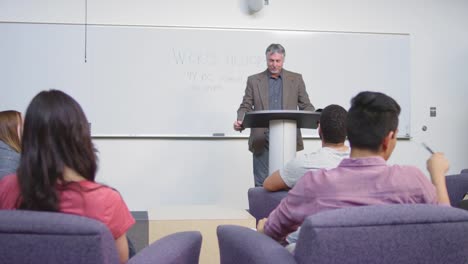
238 125
261 225
437 165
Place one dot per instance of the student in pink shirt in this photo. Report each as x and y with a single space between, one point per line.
58 167
364 178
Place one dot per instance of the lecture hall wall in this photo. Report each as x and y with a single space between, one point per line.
154 172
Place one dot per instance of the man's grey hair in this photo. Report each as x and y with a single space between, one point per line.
275 48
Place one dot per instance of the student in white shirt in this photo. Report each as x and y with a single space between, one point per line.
332 132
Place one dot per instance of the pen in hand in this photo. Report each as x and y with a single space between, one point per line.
427 147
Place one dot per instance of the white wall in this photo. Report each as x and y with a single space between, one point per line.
149 172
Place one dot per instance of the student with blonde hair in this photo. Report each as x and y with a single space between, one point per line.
11 126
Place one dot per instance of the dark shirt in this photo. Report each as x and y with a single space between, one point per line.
275 86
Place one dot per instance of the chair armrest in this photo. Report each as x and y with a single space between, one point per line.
238 244
180 248
457 187
262 202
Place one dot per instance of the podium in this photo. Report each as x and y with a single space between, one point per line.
283 125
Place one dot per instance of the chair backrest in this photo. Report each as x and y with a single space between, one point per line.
401 234
262 202
178 248
464 171
238 244
45 237
457 187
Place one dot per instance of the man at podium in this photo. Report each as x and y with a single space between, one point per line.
273 89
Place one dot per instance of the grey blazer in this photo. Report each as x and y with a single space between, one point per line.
256 98
9 159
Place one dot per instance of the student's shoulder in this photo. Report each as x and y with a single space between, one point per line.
112 194
317 156
405 170
9 191
405 167
310 184
103 191
9 181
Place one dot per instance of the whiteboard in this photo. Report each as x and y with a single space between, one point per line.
36 57
159 81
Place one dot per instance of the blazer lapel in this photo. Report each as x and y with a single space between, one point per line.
287 84
263 90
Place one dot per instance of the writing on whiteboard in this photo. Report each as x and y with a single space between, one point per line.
189 57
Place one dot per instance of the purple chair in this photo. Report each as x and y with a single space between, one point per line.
262 202
464 171
457 187
44 237
382 234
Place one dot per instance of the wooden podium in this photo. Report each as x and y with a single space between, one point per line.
283 126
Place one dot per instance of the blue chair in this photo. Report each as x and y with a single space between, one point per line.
262 202
384 234
45 237
457 187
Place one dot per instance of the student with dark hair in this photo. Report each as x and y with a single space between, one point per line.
58 168
11 125
364 178
332 132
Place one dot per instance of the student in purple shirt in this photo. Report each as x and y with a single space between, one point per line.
364 178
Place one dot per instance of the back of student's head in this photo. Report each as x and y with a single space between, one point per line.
56 134
10 129
371 117
333 124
